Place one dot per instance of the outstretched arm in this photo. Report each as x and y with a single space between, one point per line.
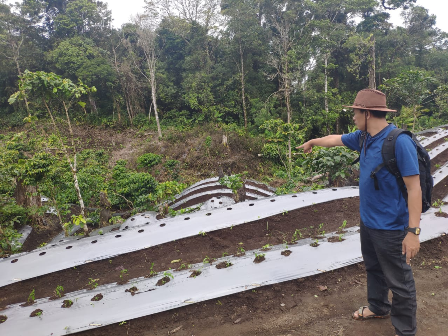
328 141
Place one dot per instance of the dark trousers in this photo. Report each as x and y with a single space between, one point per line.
387 270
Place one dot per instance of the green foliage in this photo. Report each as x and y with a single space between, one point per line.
335 161
130 187
166 191
149 160
173 167
11 216
233 182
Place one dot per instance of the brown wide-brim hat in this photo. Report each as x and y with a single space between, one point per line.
370 99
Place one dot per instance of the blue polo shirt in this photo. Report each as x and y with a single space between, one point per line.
383 209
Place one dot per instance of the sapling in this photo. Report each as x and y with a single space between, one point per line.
342 227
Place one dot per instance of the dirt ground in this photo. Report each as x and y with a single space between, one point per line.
300 308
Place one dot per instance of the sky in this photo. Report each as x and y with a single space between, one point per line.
123 10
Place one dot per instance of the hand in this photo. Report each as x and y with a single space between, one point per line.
410 246
307 147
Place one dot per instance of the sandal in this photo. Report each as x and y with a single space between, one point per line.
361 316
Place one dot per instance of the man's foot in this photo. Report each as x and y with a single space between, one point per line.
364 313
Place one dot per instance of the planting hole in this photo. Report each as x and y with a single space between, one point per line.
209 214
294 195
14 261
68 247
132 219
229 208
187 218
42 253
219 197
252 204
272 200
162 225
314 192
3 318
67 304
334 189
140 231
97 297
94 241
61 240
212 201
220 202
117 236
37 312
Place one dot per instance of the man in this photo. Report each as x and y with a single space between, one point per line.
389 239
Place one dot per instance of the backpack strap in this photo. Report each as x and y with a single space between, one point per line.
389 160
362 138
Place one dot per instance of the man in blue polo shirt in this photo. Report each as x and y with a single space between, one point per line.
389 225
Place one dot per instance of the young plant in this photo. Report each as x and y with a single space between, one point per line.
266 247
59 291
123 272
202 233
93 283
206 260
342 227
31 297
296 235
341 236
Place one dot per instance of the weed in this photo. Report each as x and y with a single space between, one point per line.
224 254
266 247
122 323
43 244
202 233
437 267
206 260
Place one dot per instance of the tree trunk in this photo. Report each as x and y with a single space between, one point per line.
372 83
93 104
326 93
28 197
243 88
154 93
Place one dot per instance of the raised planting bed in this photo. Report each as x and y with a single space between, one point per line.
181 290
253 235
60 257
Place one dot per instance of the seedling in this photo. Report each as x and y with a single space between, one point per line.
206 260
340 237
315 243
266 247
31 297
93 283
342 227
122 323
202 233
296 235
259 257
59 291
285 243
123 272
151 271
67 304
241 250
224 254
168 274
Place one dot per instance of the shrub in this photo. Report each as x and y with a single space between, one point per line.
149 160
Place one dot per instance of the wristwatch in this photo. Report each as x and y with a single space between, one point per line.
415 231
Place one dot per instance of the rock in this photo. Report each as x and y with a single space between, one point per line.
322 288
174 330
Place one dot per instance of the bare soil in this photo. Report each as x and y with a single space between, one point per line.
439 160
303 307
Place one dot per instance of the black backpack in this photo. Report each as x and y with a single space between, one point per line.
389 161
